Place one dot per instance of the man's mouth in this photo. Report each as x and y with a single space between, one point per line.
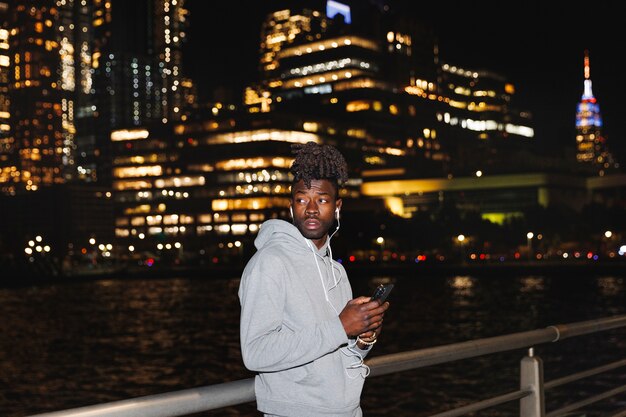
311 223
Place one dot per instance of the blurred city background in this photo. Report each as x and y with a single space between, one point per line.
147 134
150 139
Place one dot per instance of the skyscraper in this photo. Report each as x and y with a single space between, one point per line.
41 96
7 170
138 60
591 144
74 71
137 64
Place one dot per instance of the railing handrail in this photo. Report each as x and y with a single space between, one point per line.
402 361
194 400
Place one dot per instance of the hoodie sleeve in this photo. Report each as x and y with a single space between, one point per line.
267 343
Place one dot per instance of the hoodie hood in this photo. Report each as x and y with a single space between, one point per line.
280 232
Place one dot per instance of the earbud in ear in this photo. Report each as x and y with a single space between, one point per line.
291 211
337 213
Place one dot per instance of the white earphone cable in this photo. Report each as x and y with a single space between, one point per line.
358 365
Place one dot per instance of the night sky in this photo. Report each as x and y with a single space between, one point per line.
538 45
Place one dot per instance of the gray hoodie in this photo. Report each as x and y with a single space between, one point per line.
291 295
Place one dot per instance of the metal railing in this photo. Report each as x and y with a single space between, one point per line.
530 395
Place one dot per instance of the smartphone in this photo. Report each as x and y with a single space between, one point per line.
382 291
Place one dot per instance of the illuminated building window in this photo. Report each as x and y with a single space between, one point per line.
201 168
139 159
262 136
142 171
120 135
333 75
361 83
153 220
121 221
261 162
239 229
374 160
220 218
170 219
186 219
327 67
255 203
171 230
357 133
131 185
201 230
355 106
238 217
310 126
186 181
144 208
222 229
256 217
329 44
138 221
205 218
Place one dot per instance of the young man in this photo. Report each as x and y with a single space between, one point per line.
301 330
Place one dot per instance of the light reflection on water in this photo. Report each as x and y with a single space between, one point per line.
71 345
531 284
611 286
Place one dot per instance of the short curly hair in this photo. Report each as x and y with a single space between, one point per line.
316 162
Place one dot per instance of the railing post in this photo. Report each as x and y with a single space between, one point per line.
531 377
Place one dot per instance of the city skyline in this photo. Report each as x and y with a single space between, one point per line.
418 129
530 44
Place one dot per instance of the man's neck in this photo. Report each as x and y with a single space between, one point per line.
319 243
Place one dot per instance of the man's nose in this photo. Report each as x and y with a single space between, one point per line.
311 208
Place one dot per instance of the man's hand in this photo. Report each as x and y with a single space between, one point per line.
361 315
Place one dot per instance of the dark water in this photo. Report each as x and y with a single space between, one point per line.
71 345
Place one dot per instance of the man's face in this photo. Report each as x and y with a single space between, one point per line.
314 209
